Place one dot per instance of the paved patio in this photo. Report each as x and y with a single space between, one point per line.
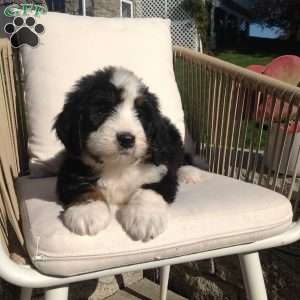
143 290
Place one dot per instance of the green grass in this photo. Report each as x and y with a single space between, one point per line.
243 59
253 131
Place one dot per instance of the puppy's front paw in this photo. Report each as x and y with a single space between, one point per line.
87 218
145 216
190 174
153 173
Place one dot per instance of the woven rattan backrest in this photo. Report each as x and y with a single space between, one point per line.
240 121
13 158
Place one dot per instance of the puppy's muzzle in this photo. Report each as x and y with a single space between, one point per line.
126 140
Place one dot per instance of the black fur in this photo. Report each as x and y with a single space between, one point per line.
87 107
165 145
74 179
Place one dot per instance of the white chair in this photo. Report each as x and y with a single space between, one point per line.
220 216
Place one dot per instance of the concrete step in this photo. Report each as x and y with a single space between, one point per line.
143 290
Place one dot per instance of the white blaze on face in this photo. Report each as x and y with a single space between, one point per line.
103 141
128 82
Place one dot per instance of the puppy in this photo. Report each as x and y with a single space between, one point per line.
119 150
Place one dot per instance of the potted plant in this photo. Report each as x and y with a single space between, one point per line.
287 69
288 160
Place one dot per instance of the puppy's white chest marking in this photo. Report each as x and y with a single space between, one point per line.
114 186
118 184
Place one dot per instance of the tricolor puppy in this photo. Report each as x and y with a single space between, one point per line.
119 150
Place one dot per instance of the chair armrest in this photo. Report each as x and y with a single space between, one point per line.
239 120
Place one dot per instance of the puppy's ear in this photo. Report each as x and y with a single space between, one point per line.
161 142
165 144
67 127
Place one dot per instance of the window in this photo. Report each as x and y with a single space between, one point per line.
126 9
56 5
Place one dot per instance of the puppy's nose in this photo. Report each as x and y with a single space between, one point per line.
126 139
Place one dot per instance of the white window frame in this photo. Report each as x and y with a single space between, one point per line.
131 7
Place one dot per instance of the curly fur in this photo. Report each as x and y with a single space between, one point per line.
102 106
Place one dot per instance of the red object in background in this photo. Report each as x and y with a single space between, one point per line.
285 68
257 68
292 126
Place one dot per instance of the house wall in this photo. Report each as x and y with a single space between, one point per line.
244 3
225 20
3 21
98 8
104 8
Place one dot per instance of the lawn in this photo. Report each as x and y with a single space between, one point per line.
244 59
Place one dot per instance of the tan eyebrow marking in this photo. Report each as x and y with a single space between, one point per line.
139 100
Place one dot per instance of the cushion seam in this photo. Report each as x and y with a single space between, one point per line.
166 247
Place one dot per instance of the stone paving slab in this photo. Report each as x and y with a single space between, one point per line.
143 290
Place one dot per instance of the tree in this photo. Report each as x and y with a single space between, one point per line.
198 11
282 13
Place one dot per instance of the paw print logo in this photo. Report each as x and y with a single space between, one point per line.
24 32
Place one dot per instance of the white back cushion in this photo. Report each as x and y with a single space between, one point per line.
74 46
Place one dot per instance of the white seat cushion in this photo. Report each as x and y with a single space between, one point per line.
216 213
74 46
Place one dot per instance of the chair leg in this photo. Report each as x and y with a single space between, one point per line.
57 293
164 280
253 276
26 293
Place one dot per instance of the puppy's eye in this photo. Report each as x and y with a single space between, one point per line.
139 101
